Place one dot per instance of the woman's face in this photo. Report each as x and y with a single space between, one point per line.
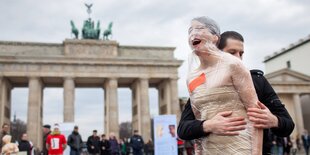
199 36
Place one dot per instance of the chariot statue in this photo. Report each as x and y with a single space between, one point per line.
89 31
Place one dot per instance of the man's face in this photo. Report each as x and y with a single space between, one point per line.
6 128
76 130
46 130
94 133
56 129
199 36
25 137
234 47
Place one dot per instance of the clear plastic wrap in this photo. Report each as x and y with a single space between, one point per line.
217 82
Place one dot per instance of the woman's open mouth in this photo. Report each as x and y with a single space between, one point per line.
196 42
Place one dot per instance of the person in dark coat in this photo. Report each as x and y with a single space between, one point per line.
149 148
306 141
104 145
46 132
287 145
75 141
278 119
137 143
93 144
114 146
24 145
4 131
278 145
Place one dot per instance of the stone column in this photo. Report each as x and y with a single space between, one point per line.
5 101
136 112
174 98
69 94
141 118
34 120
164 97
298 113
111 106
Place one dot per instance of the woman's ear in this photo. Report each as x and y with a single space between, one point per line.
216 39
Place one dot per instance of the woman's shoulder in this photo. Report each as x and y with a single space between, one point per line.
231 61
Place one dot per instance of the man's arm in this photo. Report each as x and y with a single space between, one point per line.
70 141
189 128
272 114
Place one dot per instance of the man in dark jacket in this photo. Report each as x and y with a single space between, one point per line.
271 117
104 145
93 144
24 145
46 132
75 142
137 143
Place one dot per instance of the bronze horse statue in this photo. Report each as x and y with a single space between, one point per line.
74 30
108 31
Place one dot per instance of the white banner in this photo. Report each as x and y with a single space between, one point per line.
165 135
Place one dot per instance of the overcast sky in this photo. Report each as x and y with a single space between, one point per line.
267 26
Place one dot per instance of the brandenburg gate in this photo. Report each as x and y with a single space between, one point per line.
88 63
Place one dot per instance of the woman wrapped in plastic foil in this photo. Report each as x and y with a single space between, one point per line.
218 81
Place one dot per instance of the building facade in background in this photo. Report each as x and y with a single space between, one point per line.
88 63
288 72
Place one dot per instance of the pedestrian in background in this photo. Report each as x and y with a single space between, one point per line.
115 149
8 147
75 141
294 145
137 143
104 145
93 144
46 132
4 131
306 141
56 142
24 145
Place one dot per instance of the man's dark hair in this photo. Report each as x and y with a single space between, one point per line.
47 126
229 34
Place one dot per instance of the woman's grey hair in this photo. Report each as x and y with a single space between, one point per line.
210 24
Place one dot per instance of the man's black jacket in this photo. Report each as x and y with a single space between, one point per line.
189 128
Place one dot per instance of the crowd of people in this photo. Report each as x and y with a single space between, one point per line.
55 142
291 145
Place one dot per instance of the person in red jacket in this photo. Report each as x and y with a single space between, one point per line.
56 142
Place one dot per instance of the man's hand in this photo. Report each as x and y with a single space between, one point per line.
262 118
223 125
